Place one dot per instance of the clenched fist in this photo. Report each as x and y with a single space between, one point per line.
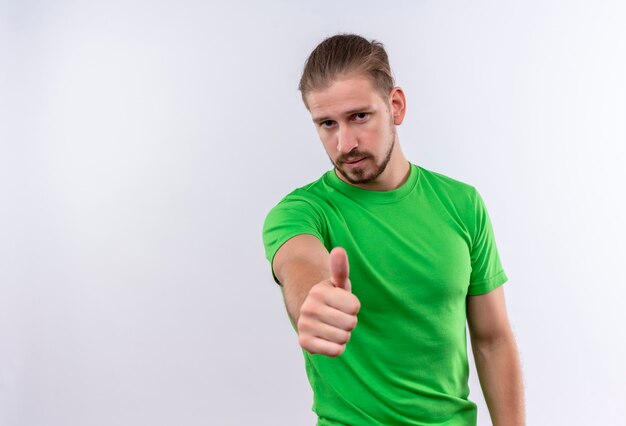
329 313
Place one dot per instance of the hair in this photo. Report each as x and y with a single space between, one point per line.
342 55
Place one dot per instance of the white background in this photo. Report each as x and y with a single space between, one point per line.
143 142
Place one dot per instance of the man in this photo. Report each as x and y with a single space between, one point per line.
383 333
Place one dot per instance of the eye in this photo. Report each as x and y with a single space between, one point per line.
327 124
361 116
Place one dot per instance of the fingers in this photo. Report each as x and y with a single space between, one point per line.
326 295
327 317
339 268
320 346
325 332
320 338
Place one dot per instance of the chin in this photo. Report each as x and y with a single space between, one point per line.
359 178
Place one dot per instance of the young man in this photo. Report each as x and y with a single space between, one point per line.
383 333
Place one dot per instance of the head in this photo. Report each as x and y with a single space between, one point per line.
342 55
349 90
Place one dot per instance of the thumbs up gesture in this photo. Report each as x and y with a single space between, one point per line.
329 312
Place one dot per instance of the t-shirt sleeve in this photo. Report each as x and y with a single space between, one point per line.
292 216
487 271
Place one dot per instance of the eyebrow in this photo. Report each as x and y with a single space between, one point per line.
367 108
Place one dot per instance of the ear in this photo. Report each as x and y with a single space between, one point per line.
397 103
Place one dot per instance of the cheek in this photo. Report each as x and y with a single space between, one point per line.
328 144
375 134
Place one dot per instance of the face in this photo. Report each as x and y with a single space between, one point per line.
357 127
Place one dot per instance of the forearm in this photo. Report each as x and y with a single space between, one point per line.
297 279
500 375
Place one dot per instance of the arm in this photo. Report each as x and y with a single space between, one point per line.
317 294
496 357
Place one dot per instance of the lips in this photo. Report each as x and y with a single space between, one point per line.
354 162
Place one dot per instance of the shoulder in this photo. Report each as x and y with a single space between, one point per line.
315 193
459 199
303 202
444 182
448 189
299 212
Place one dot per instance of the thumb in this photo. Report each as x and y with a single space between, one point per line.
339 268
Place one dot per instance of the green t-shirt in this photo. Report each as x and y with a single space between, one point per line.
415 254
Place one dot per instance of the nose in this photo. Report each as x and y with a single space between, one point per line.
346 140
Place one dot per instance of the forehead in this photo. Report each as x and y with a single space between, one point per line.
343 95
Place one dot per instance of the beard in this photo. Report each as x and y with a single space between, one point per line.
359 176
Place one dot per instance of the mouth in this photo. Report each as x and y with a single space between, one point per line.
351 164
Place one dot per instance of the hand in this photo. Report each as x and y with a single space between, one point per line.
329 312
